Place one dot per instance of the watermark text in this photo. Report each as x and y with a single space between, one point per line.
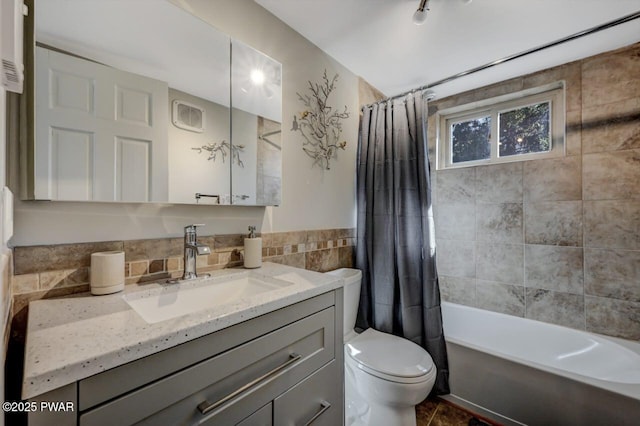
33 406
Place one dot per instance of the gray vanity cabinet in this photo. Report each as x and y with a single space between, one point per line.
312 401
262 417
282 368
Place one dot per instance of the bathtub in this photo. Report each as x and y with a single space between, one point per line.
519 371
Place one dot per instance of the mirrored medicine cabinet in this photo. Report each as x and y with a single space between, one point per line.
143 102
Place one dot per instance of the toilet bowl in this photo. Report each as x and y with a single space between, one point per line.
386 376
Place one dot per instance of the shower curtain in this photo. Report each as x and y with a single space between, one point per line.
396 244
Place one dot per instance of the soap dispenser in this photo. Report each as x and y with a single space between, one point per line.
252 249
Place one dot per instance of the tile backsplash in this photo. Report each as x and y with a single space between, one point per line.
556 240
57 270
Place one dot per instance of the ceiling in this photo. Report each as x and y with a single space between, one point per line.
377 40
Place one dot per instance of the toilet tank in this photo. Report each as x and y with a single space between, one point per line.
352 279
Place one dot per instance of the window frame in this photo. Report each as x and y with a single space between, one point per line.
553 93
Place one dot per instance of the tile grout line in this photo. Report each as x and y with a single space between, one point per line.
433 416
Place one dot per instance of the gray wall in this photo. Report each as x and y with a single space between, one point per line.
555 240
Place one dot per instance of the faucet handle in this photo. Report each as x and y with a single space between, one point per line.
192 228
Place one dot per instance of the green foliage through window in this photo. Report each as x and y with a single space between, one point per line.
525 130
471 140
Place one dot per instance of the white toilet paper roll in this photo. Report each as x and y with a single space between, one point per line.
107 272
252 252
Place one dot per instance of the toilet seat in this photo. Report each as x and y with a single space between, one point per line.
389 357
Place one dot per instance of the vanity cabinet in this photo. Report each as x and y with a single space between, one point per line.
282 368
262 417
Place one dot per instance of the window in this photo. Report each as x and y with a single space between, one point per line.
470 139
521 126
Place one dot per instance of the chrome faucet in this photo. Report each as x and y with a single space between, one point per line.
192 248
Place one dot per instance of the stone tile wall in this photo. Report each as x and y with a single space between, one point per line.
58 270
556 240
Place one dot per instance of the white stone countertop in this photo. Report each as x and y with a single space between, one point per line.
69 339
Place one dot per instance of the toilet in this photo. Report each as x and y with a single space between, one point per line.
386 376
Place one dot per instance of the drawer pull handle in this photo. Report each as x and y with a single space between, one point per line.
325 406
206 407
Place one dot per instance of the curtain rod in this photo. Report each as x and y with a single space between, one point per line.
610 24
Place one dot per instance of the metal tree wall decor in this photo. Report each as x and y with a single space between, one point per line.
319 124
223 149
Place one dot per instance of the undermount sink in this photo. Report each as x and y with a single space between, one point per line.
296 278
187 297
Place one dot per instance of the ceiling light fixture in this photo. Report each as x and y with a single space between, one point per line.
421 14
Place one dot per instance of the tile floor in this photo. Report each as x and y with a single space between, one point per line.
436 412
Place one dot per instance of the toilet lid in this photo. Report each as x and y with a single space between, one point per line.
383 354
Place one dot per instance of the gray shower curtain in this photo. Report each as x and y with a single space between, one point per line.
396 244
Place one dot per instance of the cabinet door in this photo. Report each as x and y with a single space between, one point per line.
262 417
317 400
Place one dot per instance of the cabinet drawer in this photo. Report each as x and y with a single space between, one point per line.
174 399
317 400
262 417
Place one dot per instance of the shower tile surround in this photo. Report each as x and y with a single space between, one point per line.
555 240
57 270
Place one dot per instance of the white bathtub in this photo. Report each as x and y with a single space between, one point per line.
519 371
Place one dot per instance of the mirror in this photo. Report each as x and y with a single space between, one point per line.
256 91
146 112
